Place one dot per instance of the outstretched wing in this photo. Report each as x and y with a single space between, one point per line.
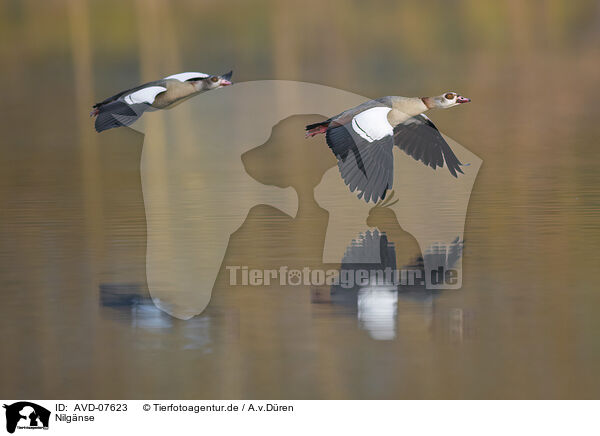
117 114
363 148
418 137
127 109
120 95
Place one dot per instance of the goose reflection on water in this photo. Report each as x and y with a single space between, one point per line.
127 302
376 304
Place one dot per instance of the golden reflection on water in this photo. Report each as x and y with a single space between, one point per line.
75 308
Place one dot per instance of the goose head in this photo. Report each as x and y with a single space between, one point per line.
214 82
446 100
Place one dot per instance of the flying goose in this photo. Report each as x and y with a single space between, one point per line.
368 132
127 106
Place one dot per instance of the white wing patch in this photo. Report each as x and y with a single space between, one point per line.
372 124
146 95
182 77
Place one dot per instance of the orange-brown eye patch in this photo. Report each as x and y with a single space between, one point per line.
449 96
214 79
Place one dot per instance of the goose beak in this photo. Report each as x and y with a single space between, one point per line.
226 79
460 99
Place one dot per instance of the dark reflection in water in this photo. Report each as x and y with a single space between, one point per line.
128 302
376 304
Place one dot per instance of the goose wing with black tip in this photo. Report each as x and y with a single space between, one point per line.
419 138
124 108
365 166
361 139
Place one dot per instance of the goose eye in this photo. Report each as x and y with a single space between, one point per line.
449 96
214 79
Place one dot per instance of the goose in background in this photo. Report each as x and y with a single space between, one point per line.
127 106
362 138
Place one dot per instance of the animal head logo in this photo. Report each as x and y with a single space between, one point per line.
26 415
207 163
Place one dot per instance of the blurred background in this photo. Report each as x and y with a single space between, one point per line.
76 317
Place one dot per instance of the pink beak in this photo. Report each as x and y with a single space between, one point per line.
224 82
461 99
